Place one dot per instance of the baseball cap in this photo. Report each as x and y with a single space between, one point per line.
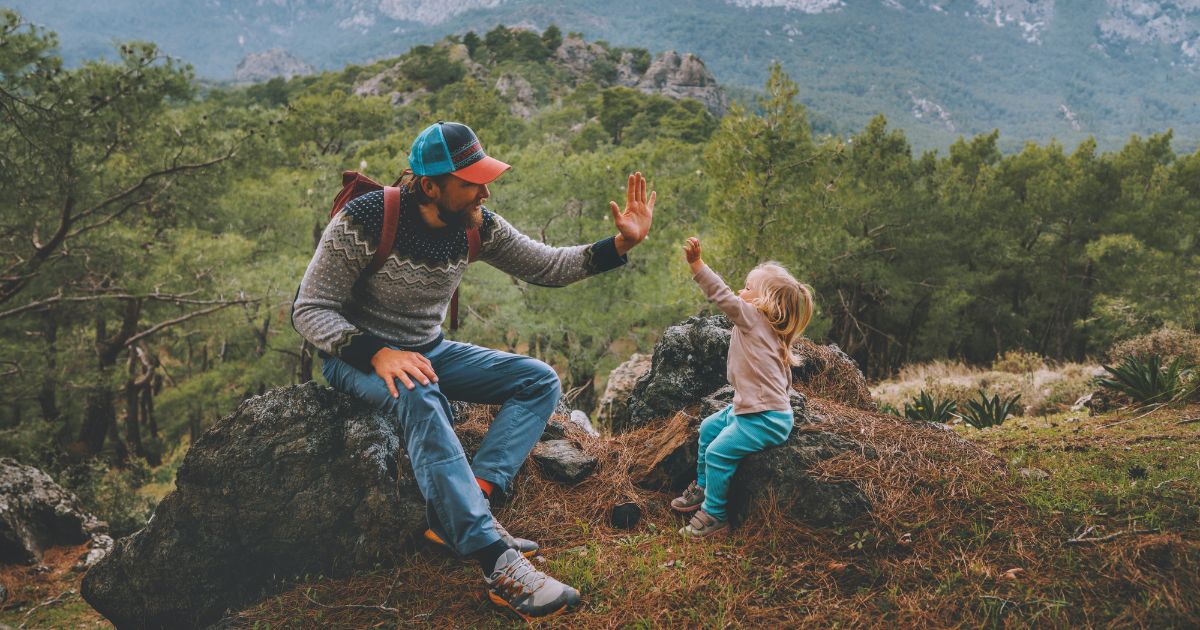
450 147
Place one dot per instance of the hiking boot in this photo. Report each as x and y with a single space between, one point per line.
515 585
527 548
690 500
703 524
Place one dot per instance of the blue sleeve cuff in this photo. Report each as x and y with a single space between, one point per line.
603 256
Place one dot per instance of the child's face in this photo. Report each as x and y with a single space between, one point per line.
750 293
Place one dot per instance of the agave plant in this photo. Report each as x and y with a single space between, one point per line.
985 412
924 407
1145 381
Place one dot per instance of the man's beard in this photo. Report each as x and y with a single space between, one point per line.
462 220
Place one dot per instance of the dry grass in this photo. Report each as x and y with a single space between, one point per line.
956 539
951 542
1043 390
830 376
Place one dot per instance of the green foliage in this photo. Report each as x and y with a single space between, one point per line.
1146 381
984 412
431 67
111 493
924 407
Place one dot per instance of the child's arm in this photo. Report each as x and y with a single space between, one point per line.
738 310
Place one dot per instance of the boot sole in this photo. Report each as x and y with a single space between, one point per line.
686 510
499 602
432 537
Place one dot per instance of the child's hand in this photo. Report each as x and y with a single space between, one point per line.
692 250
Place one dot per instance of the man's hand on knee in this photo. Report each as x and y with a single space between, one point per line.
400 364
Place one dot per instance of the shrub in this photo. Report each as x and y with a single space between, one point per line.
926 407
1146 381
1019 362
1168 343
984 412
111 494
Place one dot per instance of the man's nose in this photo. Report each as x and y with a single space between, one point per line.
486 193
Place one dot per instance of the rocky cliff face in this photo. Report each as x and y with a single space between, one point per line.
276 62
670 74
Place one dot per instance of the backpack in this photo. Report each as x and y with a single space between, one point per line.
355 184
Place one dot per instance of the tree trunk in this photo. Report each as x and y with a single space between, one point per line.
47 394
304 369
133 390
99 416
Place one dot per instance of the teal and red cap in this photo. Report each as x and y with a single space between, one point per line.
450 147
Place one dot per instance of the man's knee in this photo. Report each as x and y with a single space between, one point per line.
541 378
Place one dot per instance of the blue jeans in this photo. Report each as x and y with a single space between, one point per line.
528 391
725 440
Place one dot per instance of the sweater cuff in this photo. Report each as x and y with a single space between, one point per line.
602 256
361 350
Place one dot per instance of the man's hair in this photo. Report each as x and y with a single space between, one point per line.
440 180
787 303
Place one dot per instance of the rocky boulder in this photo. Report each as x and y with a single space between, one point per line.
263 66
688 365
683 76
669 458
36 514
299 480
614 403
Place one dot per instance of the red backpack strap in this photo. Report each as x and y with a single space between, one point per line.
387 235
473 246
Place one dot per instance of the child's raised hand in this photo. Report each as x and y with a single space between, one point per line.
691 249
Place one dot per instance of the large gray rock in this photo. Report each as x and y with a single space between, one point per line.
669 462
36 514
688 364
299 480
614 403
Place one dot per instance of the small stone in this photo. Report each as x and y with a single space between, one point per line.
554 431
1036 474
581 418
563 461
626 515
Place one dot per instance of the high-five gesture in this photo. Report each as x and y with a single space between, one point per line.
691 249
634 222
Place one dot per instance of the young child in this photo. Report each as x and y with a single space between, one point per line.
767 316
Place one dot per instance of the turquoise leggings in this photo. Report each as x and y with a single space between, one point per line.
726 439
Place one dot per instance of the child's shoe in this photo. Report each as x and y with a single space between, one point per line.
690 500
703 525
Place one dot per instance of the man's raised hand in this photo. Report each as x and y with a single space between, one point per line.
400 364
633 224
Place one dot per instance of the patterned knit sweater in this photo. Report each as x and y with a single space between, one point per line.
405 302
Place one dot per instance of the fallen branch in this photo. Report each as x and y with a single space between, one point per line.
1082 538
342 606
49 602
1160 485
1189 421
1153 408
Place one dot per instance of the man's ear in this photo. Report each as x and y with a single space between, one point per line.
430 187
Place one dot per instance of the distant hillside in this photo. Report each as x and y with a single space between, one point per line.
1035 69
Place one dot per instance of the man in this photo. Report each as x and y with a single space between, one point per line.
381 341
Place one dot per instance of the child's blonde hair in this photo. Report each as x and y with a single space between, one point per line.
787 303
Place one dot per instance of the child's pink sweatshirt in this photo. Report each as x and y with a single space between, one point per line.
756 370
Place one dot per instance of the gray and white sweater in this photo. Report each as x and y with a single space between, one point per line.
405 302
